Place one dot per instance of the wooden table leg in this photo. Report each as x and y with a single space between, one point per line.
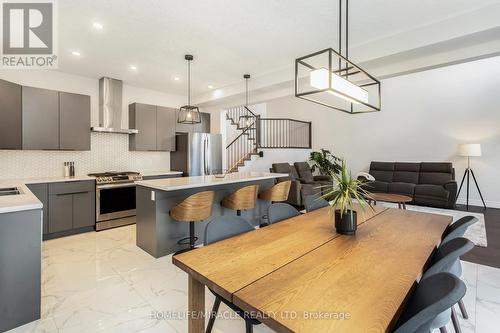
196 306
404 205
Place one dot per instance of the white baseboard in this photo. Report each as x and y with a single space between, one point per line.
478 202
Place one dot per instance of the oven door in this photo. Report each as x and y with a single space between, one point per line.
115 201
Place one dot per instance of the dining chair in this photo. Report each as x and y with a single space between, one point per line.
219 228
453 231
431 297
313 202
281 211
444 262
458 228
277 193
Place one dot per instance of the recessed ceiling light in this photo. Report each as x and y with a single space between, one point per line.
176 78
210 86
134 68
97 25
76 53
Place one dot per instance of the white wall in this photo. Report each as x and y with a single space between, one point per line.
108 151
424 117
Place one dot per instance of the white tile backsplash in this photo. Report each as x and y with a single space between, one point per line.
109 151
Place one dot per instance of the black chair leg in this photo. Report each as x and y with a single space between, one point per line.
443 329
213 315
192 238
248 326
454 320
461 305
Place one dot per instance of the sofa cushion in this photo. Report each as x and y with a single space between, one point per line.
285 168
377 186
401 188
435 178
443 167
406 172
382 171
434 191
304 171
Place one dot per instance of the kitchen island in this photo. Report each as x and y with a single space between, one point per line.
158 233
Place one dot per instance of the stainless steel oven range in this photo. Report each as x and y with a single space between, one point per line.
115 198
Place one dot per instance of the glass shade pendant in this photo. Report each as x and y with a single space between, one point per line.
329 78
189 114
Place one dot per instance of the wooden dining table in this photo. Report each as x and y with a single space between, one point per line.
299 275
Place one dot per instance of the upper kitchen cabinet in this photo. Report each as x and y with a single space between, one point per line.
34 118
203 127
40 118
10 115
156 126
165 128
142 117
74 121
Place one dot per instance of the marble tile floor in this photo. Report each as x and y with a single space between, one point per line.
102 282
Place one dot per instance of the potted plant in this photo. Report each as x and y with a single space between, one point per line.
325 162
346 188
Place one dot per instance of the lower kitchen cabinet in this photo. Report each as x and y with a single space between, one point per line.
60 212
67 206
83 209
41 191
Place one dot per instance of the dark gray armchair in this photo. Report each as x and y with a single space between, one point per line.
299 189
307 177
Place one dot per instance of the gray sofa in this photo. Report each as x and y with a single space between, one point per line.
428 183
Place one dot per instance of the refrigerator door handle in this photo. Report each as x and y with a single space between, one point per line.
209 156
205 156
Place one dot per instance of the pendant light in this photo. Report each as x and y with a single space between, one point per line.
329 78
189 114
246 119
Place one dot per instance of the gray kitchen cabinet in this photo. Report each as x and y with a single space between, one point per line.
83 209
142 117
205 123
40 118
74 121
60 212
165 128
10 115
41 192
71 205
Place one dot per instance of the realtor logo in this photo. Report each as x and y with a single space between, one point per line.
28 34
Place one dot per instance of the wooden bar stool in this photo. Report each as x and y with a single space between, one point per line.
244 198
195 208
276 193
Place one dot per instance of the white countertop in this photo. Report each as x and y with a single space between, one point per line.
174 184
27 200
13 203
160 173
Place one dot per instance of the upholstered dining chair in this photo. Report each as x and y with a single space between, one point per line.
458 228
431 297
444 261
281 211
313 202
453 231
219 228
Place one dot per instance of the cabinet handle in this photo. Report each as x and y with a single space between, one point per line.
72 193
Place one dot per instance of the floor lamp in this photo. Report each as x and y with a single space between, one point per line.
470 150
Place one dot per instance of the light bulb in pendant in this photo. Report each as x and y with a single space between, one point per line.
189 115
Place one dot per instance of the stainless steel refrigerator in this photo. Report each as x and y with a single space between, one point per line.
197 154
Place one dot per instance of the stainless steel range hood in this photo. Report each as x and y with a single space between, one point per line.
110 107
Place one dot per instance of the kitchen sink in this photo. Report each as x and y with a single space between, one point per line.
9 191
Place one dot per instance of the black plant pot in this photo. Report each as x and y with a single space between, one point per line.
347 224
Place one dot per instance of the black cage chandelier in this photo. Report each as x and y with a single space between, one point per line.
189 114
329 78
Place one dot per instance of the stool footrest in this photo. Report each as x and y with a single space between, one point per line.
186 241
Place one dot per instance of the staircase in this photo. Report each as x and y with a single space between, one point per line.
257 133
246 144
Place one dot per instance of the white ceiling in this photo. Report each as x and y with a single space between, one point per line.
231 37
